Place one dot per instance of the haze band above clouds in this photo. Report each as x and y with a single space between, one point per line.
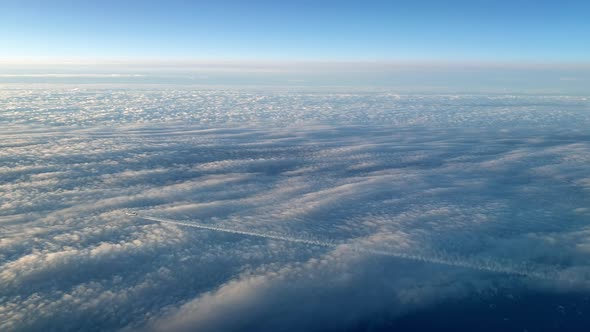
403 75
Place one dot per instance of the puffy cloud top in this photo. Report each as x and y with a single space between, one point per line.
485 183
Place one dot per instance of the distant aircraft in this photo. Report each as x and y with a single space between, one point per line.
131 213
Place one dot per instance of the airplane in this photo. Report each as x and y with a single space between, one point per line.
131 213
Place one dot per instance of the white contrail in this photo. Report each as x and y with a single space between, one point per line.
235 231
445 259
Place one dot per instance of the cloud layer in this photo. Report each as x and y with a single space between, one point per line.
496 180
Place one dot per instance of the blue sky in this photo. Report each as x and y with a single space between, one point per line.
477 30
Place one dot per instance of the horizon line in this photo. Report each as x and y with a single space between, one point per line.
275 62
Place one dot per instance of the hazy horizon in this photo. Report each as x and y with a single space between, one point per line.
402 76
